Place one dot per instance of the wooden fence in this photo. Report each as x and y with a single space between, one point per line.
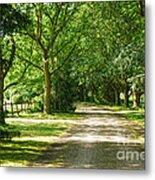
13 108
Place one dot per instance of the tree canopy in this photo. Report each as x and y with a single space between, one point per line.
77 51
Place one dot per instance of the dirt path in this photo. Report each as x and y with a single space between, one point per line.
102 139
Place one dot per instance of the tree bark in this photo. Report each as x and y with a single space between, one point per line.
47 95
56 104
142 8
2 120
126 96
4 69
92 92
117 97
84 95
136 99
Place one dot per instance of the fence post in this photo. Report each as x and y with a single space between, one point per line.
21 106
17 109
28 105
11 108
5 108
24 106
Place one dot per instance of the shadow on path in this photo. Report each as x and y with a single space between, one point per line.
100 140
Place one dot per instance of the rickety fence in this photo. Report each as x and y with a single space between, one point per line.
13 108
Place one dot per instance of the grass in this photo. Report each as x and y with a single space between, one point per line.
21 153
8 132
139 118
53 116
110 107
135 116
28 129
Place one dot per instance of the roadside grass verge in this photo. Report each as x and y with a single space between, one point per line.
53 116
20 153
30 129
23 152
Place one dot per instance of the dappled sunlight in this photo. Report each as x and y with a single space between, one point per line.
91 142
97 138
49 139
20 153
72 85
34 129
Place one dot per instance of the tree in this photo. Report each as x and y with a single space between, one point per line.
94 48
11 21
121 45
55 32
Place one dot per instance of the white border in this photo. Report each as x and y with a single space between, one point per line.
149 173
30 1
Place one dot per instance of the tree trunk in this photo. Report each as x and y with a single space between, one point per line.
117 97
136 99
126 96
47 95
84 96
2 120
142 8
56 104
92 92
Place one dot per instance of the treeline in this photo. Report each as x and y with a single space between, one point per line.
59 53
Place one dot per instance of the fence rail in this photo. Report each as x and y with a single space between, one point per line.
13 108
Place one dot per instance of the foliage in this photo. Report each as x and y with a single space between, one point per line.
12 19
94 50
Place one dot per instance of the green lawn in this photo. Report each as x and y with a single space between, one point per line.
22 152
53 116
39 129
